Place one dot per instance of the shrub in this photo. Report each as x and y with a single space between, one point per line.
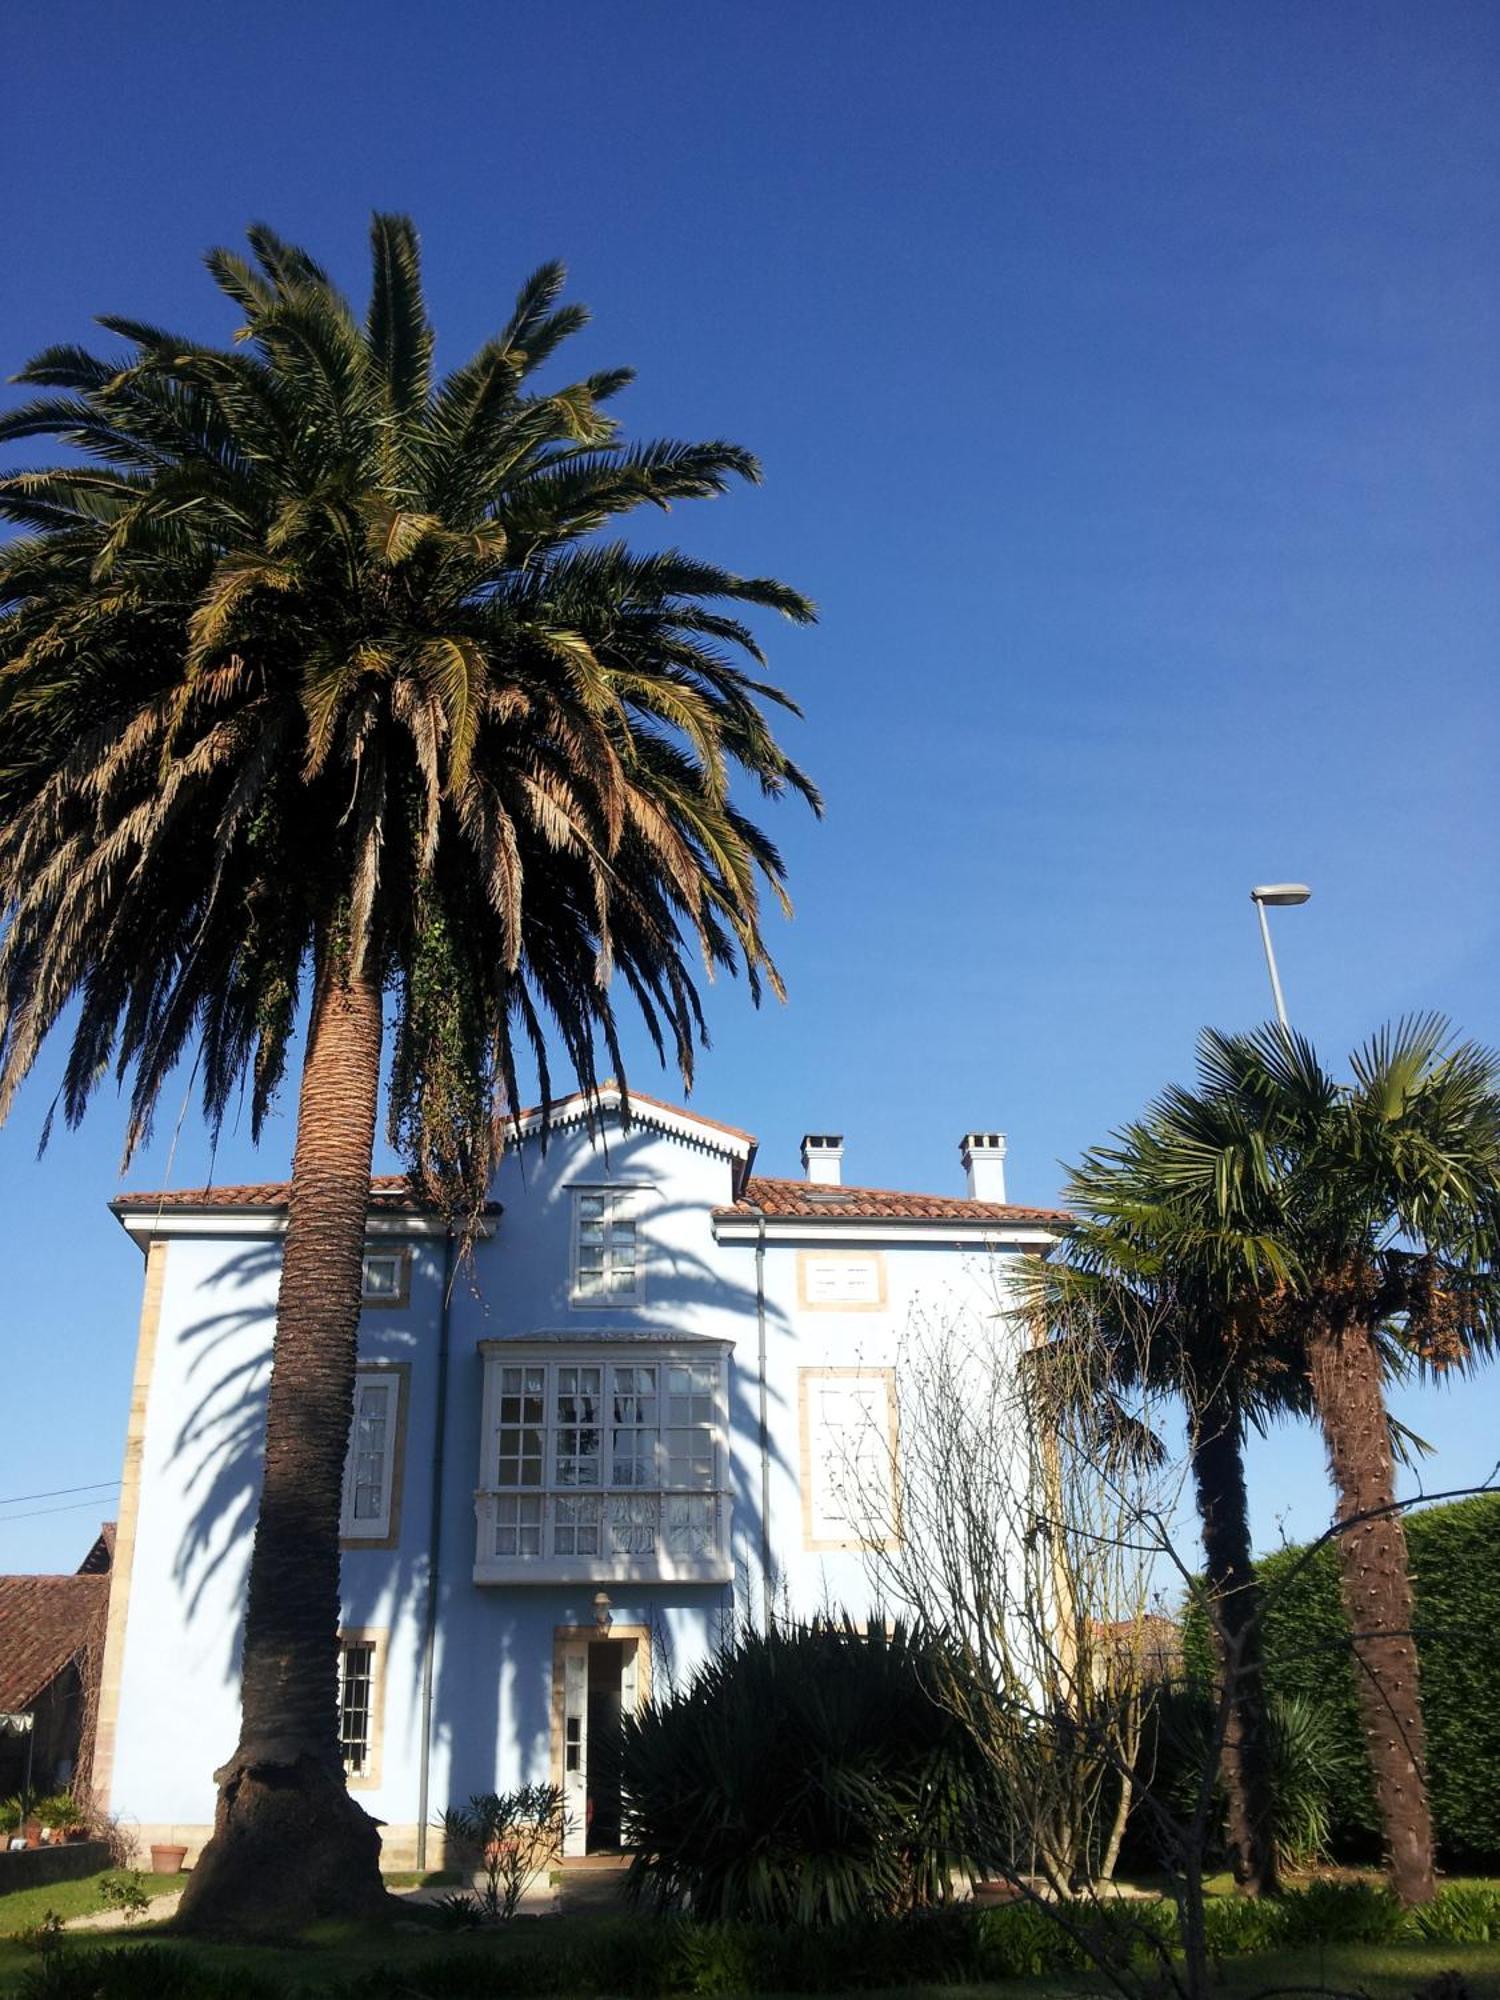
1460 1913
141 1972
1341 1913
512 1836
1234 1925
124 1894
807 1776
1304 1751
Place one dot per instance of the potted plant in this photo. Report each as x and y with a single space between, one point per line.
61 1818
512 1836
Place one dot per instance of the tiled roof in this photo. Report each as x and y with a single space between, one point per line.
101 1557
389 1193
45 1621
805 1201
392 1193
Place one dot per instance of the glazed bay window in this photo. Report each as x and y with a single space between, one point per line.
607 1462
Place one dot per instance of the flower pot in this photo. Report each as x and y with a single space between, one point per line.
167 1860
75 1834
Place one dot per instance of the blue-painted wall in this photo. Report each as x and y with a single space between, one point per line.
493 1658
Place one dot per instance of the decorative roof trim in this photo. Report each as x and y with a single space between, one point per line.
580 1108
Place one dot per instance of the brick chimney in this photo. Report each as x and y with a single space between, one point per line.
823 1158
983 1155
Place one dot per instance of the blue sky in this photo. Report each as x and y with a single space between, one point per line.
1126 381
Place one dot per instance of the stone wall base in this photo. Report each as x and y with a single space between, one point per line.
398 1844
35 1867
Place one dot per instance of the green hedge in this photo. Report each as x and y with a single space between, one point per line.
1455 1561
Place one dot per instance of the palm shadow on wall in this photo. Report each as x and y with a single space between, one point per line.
478 1693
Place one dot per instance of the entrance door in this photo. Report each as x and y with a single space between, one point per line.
601 1685
575 1745
606 1688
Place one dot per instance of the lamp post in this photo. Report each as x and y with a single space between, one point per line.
1281 895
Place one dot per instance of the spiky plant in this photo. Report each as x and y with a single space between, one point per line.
322 698
808 1775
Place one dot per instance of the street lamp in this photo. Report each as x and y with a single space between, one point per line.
1283 895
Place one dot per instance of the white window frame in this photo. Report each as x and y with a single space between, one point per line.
377 1528
826 1528
633 1199
545 1521
400 1259
373 1641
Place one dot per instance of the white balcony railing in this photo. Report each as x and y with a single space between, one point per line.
620 1537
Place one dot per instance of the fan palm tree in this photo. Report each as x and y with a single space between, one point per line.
1122 1309
1338 1216
321 697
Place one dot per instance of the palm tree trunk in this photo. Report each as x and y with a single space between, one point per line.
1346 1379
289 1844
1245 1753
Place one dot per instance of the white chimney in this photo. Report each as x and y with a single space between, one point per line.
983 1155
823 1158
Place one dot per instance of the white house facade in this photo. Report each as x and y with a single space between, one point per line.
652 1408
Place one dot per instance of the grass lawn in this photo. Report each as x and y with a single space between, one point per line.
331 1954
81 1897
78 1898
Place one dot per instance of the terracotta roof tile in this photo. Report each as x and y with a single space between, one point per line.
805 1201
45 1621
389 1193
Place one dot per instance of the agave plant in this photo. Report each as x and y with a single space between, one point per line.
806 1776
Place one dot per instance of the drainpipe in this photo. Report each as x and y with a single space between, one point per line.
765 1423
434 1553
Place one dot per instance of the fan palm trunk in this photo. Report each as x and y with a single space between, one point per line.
289 1844
1345 1371
1245 1754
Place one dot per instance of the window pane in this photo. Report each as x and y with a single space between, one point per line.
356 1691
371 1425
632 1527
382 1275
689 1527
518 1525
577 1529
690 1458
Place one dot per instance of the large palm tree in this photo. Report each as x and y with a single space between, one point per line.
322 699
1125 1308
1338 1216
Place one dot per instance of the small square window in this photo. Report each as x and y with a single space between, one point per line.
385 1278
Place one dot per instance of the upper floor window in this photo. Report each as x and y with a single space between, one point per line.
371 1466
385 1278
607 1265
606 1462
